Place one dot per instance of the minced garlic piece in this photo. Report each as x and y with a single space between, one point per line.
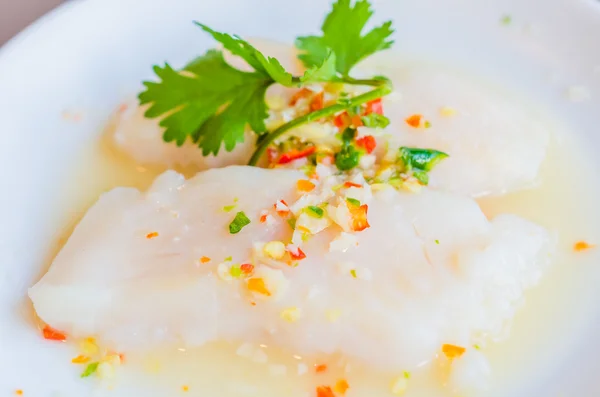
105 371
291 314
376 187
113 359
274 249
412 184
448 111
399 385
89 347
224 271
343 242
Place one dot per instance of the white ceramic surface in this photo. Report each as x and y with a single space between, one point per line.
88 55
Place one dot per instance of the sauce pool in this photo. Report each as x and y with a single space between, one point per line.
543 332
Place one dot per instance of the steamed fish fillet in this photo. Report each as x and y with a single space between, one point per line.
142 138
430 270
496 144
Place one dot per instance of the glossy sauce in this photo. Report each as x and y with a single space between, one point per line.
546 328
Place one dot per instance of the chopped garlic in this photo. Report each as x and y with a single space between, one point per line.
270 220
288 114
89 347
341 215
376 187
399 385
412 184
274 280
105 371
224 271
291 314
323 171
343 242
448 111
113 359
274 249
362 194
367 161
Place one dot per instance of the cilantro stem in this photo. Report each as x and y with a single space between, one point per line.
382 88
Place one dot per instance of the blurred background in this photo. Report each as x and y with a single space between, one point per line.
15 15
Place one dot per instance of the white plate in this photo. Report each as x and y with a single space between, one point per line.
88 55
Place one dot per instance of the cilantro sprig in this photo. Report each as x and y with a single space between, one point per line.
342 34
211 102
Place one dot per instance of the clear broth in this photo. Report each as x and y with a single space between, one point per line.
549 324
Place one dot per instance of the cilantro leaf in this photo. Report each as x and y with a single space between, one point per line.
324 72
268 66
342 31
209 101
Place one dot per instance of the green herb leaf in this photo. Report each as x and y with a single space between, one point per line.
269 67
353 273
506 20
90 369
235 271
352 201
314 211
437 242
229 208
422 176
375 120
347 158
239 222
210 102
292 223
420 159
228 259
342 34
325 72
